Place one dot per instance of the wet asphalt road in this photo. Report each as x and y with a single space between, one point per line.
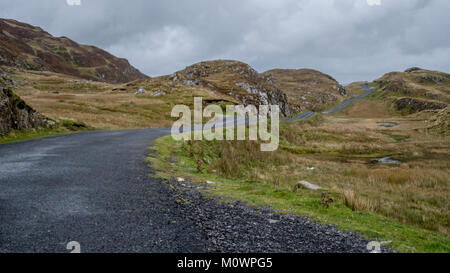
93 188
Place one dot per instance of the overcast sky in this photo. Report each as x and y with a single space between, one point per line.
351 40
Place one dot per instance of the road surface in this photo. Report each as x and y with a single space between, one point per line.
93 188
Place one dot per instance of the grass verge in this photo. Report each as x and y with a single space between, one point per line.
63 127
202 161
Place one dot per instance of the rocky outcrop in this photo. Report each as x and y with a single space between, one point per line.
432 79
235 79
31 48
412 105
15 114
413 69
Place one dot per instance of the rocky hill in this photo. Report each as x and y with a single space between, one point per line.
307 89
31 48
235 79
416 89
15 114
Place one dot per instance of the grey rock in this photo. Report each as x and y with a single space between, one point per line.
158 93
386 160
15 114
432 79
141 91
307 185
413 105
412 69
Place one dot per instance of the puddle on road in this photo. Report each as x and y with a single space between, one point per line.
387 124
386 160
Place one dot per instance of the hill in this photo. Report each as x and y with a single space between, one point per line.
235 79
31 48
307 89
415 90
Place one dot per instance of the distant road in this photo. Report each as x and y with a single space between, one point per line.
303 116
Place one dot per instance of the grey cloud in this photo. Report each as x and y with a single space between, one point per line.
346 38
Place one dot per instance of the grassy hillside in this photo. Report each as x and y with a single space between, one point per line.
415 90
29 47
108 106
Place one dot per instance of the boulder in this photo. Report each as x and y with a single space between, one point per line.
15 114
141 91
307 185
386 160
158 93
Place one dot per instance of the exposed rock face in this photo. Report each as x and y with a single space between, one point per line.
413 105
412 69
15 114
432 79
307 89
235 79
60 55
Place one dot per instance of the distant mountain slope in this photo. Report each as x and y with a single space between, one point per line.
307 89
416 89
235 79
32 48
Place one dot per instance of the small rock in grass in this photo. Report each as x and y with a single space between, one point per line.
180 179
307 185
141 91
158 93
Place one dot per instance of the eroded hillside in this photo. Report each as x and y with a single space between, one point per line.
235 79
29 47
307 89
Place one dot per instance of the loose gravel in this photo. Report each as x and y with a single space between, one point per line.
239 228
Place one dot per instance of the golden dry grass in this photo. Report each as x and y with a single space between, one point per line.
341 149
107 106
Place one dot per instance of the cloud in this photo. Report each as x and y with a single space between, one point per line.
374 2
348 39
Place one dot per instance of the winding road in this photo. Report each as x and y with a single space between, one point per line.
94 188
303 116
